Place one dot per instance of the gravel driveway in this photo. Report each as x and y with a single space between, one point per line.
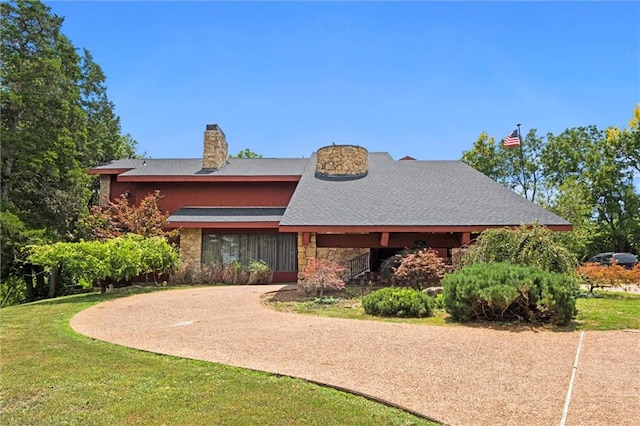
457 375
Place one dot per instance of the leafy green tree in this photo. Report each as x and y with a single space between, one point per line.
584 174
517 168
56 121
487 157
42 177
627 141
582 161
246 153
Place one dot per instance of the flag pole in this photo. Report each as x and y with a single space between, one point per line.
524 177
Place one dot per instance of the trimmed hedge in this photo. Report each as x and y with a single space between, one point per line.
505 292
398 302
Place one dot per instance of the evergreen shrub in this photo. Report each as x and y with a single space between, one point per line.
505 292
398 302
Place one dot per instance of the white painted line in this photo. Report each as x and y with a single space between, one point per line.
565 411
182 323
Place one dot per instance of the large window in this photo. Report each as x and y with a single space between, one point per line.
277 250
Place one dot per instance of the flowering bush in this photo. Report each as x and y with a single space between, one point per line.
597 275
320 275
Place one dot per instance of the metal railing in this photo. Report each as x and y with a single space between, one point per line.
356 266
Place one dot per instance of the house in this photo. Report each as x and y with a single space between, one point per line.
343 203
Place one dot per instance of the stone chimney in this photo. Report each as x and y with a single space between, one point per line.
216 150
342 162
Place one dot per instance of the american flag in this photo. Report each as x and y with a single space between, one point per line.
512 140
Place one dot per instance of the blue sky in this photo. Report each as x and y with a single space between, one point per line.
411 78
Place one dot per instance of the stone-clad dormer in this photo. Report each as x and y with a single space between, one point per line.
342 162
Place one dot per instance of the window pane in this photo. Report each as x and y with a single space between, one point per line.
279 251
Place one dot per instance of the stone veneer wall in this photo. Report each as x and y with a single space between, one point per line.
191 244
306 252
105 190
216 149
342 161
338 255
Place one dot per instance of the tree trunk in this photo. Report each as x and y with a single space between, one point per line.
54 278
28 279
39 293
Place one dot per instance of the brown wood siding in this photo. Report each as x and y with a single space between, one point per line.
118 188
396 240
284 277
210 194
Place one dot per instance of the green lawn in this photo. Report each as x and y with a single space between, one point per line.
51 376
602 311
608 311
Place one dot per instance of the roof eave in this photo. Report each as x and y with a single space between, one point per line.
204 178
106 171
223 225
402 228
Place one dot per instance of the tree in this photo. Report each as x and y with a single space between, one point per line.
627 141
56 121
320 275
246 153
584 174
42 121
120 218
519 171
582 161
529 245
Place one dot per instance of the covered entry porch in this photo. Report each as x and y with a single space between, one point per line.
359 251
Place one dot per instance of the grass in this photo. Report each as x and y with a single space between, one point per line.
604 310
52 375
608 311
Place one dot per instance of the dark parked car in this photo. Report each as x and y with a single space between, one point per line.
627 260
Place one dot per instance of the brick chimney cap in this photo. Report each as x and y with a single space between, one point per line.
213 127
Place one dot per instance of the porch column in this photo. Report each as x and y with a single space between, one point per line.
105 190
191 244
307 248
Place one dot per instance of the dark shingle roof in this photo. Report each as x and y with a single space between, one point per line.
410 193
191 166
227 214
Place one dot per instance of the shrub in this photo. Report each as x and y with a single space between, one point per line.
398 302
320 275
438 301
259 272
194 272
389 265
532 245
88 262
504 292
597 275
235 273
420 268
